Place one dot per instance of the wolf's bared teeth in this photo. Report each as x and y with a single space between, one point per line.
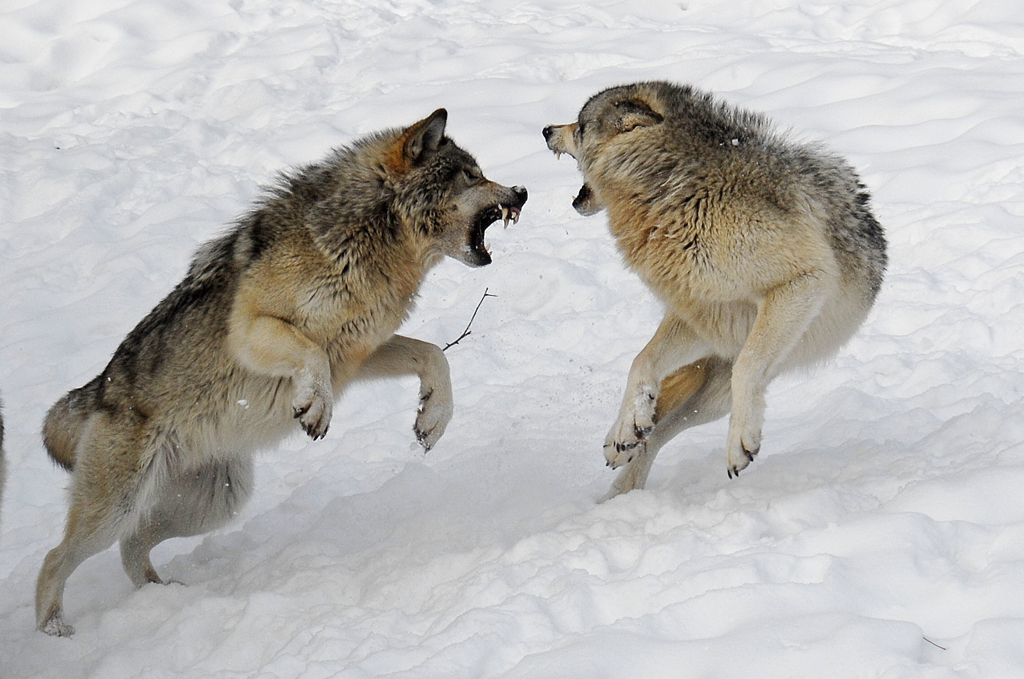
558 155
504 214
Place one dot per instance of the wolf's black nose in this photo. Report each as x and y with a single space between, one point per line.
521 194
548 131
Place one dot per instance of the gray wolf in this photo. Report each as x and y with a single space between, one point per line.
299 298
763 250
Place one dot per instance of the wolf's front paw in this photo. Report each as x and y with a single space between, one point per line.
620 450
628 436
434 414
314 416
626 441
313 408
741 449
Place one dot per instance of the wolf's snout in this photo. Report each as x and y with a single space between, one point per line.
551 137
559 138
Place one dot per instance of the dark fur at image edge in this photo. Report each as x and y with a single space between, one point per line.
3 463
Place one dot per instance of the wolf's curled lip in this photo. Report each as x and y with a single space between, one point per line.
509 212
506 213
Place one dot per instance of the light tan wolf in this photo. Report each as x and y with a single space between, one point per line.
764 252
301 297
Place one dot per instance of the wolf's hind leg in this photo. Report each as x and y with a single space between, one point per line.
86 536
104 493
695 394
192 502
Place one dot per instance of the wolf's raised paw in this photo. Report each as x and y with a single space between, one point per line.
743 442
628 436
314 416
738 460
622 447
618 454
433 415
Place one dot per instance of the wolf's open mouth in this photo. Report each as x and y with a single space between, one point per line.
488 216
582 197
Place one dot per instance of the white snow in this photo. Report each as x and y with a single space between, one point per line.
880 533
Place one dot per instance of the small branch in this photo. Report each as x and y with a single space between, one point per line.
934 644
466 333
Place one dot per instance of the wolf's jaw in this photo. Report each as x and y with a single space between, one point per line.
477 247
582 196
585 203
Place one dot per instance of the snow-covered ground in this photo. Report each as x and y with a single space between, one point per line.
879 534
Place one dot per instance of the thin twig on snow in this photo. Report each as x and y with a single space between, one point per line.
467 332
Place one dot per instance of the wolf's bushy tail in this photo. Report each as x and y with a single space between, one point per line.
66 421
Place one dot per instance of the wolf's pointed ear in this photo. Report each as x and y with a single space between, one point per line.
635 113
423 139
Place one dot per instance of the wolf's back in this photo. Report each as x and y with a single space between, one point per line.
66 420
